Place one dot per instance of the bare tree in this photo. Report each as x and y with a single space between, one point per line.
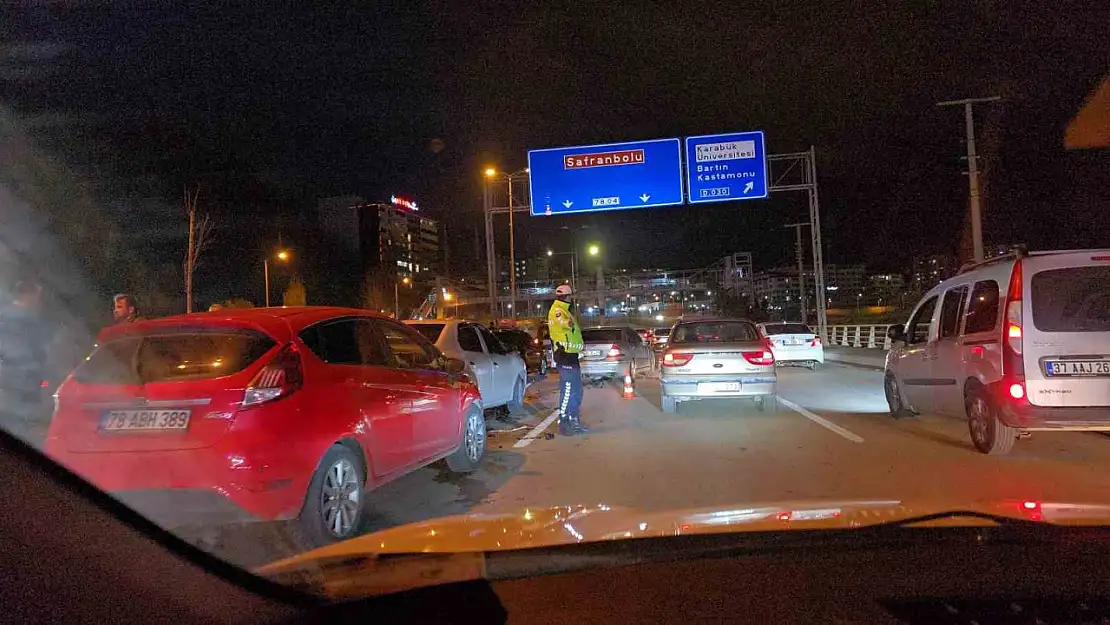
200 238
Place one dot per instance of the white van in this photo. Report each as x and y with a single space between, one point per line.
1018 344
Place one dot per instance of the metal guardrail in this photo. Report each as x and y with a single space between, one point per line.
873 337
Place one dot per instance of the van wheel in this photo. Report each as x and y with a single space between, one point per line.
988 433
333 507
894 400
472 446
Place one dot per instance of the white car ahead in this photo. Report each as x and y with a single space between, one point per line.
794 344
499 372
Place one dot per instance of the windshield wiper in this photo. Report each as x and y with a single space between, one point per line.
1000 520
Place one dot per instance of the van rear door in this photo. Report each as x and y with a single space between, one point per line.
1066 340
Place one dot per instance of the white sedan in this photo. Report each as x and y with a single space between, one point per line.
500 373
794 343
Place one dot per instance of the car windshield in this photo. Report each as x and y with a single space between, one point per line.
868 252
170 357
1076 299
602 335
714 332
773 329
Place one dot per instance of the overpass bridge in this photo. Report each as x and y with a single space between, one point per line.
641 293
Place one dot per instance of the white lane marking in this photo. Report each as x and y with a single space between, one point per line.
825 423
538 430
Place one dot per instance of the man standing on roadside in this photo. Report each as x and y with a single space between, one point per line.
124 309
566 336
23 344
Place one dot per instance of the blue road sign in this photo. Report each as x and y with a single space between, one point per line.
726 168
614 176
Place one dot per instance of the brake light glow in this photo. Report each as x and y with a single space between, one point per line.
762 358
281 377
614 352
676 359
1013 366
1033 509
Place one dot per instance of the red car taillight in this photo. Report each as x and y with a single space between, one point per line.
816 342
614 352
676 359
281 377
1013 366
762 358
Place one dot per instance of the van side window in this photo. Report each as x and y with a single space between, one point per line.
917 330
982 309
951 311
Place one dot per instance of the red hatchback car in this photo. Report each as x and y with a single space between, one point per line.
269 413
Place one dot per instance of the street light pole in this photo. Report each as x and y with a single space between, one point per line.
512 252
282 255
491 261
973 172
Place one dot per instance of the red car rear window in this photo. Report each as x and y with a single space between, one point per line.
173 356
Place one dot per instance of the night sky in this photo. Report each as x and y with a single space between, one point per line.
272 108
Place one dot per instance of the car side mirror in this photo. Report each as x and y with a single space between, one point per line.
896 333
454 366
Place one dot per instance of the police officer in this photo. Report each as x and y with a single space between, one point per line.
566 336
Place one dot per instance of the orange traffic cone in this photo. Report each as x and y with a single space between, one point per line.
628 393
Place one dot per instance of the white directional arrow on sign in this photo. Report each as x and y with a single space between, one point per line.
645 197
567 203
749 187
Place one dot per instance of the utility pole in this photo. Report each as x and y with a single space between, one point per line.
512 254
799 253
973 171
491 261
600 290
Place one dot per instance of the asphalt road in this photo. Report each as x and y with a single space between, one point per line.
830 437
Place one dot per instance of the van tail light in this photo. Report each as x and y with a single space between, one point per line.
280 377
762 358
1013 367
816 342
614 352
676 359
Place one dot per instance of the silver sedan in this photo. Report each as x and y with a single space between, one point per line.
716 359
499 372
612 352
